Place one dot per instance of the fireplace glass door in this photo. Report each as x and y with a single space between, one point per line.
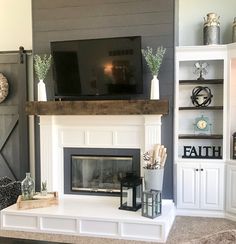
99 173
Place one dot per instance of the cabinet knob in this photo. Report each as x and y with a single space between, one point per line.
196 169
201 169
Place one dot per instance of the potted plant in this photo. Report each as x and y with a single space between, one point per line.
41 66
154 61
44 188
154 167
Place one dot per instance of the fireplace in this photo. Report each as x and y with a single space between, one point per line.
101 131
97 171
85 215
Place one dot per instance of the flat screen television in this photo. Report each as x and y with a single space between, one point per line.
109 68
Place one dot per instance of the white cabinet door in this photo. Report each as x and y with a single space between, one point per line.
231 189
188 185
212 186
201 186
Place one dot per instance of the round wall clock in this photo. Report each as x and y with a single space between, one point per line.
202 124
4 87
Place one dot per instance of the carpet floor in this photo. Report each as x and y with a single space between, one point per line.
185 230
8 240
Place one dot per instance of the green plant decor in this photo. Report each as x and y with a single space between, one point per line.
44 186
154 60
42 65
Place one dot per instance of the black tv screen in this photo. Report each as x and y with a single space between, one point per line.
109 68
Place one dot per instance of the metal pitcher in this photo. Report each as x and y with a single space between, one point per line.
234 31
211 30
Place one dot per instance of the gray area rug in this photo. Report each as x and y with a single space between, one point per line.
202 230
222 237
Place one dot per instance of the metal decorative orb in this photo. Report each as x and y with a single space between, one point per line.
4 87
201 96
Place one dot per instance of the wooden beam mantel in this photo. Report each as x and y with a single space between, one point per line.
105 107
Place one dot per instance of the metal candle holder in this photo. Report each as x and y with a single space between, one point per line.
151 204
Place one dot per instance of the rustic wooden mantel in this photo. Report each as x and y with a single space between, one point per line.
105 107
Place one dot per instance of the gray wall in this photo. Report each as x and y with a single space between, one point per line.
88 19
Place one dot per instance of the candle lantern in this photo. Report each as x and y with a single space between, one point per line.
234 145
131 192
151 204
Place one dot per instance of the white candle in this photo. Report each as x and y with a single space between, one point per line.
129 197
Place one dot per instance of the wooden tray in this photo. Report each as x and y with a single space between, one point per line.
39 201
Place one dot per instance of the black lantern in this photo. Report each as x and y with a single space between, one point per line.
234 145
131 192
151 204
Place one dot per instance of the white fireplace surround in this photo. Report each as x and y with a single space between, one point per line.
95 131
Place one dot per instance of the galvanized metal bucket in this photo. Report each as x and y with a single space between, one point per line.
153 179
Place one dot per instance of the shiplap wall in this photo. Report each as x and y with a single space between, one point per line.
55 20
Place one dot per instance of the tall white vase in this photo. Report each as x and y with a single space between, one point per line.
155 94
42 96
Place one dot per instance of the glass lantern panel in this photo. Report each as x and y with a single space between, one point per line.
138 194
150 210
127 196
158 198
156 209
144 208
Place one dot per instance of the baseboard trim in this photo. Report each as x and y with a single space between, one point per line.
200 213
230 216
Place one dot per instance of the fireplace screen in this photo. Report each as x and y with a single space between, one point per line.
98 171
100 174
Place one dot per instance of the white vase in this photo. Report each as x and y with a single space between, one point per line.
42 96
153 179
155 88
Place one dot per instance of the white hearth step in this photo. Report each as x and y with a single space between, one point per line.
91 216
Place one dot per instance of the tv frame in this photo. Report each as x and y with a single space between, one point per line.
136 96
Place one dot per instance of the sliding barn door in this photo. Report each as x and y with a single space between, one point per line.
14 161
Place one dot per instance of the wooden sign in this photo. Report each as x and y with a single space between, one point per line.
202 152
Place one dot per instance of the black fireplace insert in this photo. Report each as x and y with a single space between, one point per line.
97 171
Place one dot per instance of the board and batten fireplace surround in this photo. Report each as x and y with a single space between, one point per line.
96 124
100 131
